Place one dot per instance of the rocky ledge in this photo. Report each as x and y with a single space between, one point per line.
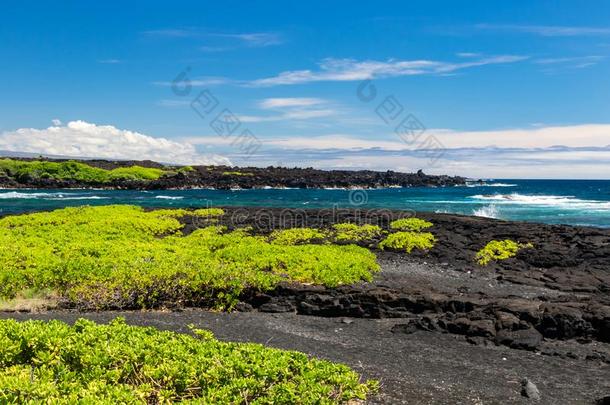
556 291
225 177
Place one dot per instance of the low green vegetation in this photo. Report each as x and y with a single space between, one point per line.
356 233
208 212
408 241
121 364
296 236
409 236
24 171
126 257
499 250
237 174
410 224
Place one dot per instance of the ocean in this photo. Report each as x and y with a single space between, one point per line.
572 202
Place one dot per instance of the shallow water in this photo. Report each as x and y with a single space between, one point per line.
573 202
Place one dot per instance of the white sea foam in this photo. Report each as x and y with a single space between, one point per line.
488 211
47 196
559 201
168 197
491 185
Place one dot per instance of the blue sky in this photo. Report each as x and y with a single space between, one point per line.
511 89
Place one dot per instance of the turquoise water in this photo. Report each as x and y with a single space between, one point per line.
548 201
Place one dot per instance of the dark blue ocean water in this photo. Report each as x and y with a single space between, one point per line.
574 202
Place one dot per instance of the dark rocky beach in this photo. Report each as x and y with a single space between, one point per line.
434 326
225 177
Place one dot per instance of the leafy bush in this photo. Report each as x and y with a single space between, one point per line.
117 363
125 257
410 224
71 170
209 212
408 241
237 174
499 250
356 233
295 236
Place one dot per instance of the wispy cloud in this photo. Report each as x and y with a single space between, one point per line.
547 30
291 108
256 39
201 82
173 103
220 41
352 70
290 102
171 33
468 54
109 61
571 62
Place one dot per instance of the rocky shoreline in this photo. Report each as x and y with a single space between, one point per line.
551 301
225 177
558 290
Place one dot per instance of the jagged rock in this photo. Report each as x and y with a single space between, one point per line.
603 401
276 307
526 339
529 390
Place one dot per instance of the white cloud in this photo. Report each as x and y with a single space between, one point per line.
575 151
200 82
574 136
290 102
83 139
110 61
570 62
255 39
547 30
352 70
468 54
170 103
249 39
291 108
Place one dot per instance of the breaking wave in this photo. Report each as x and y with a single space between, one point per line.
47 196
488 211
566 202
168 197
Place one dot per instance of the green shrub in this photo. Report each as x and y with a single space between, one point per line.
117 363
209 212
134 173
125 257
410 224
72 170
295 236
237 174
499 250
356 233
408 241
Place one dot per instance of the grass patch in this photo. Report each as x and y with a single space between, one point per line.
499 250
117 363
408 241
24 171
29 301
410 224
125 257
356 233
